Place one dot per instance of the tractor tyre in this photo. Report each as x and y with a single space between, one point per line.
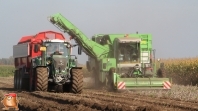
15 79
41 79
76 81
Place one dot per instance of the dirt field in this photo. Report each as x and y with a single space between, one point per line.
92 100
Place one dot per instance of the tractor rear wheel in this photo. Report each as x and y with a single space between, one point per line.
77 81
41 79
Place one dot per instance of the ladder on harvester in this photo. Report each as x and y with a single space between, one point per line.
146 49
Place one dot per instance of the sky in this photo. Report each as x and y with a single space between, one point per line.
173 24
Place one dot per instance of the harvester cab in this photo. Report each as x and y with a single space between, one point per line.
135 68
128 57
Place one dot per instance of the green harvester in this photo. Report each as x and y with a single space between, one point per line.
119 61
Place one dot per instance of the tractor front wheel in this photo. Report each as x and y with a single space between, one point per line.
76 81
41 79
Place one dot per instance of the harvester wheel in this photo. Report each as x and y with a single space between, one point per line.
110 83
41 79
77 81
161 73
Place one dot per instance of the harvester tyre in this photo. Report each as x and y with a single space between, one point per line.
110 83
161 73
77 81
41 79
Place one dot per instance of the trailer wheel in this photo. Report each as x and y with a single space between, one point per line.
77 81
41 79
20 78
15 79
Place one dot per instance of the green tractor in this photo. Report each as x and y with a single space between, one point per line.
119 61
44 64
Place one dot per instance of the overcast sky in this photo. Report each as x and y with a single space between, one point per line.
173 24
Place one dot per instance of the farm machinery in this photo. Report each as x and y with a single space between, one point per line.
119 61
43 62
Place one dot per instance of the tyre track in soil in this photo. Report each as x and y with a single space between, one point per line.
32 103
38 101
95 99
131 100
169 103
37 98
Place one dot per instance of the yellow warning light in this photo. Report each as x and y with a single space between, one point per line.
42 48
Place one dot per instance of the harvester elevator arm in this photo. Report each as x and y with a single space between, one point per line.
91 48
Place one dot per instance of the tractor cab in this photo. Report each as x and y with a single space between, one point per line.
58 48
57 53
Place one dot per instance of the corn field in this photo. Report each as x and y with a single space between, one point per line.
183 71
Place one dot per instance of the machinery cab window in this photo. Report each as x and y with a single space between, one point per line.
128 52
53 47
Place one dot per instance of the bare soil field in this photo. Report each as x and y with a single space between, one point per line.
95 99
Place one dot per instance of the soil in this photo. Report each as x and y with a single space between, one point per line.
91 100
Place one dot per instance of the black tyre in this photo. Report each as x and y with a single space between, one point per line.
161 73
15 79
41 79
20 79
110 83
76 81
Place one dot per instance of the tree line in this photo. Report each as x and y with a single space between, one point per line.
7 61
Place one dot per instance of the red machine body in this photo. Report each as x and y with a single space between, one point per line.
23 52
